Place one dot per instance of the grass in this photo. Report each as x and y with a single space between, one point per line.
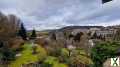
27 56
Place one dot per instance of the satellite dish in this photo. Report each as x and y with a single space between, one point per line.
105 1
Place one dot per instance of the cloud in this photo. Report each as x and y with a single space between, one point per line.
50 14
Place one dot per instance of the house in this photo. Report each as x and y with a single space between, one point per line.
107 34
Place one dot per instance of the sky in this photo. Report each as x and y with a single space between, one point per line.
54 14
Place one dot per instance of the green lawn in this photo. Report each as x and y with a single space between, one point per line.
27 56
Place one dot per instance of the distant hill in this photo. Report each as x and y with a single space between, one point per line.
71 28
114 27
79 27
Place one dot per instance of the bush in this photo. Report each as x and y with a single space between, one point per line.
51 61
101 51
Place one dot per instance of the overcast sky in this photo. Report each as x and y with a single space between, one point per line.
50 14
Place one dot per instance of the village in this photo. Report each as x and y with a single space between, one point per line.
59 33
70 46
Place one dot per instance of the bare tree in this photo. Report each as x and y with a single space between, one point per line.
9 26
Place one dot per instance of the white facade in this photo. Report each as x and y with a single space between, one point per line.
106 33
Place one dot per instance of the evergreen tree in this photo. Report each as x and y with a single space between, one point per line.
1 44
33 35
117 35
100 36
71 36
6 54
53 37
94 36
22 32
77 37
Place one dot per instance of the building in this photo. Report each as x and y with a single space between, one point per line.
107 34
